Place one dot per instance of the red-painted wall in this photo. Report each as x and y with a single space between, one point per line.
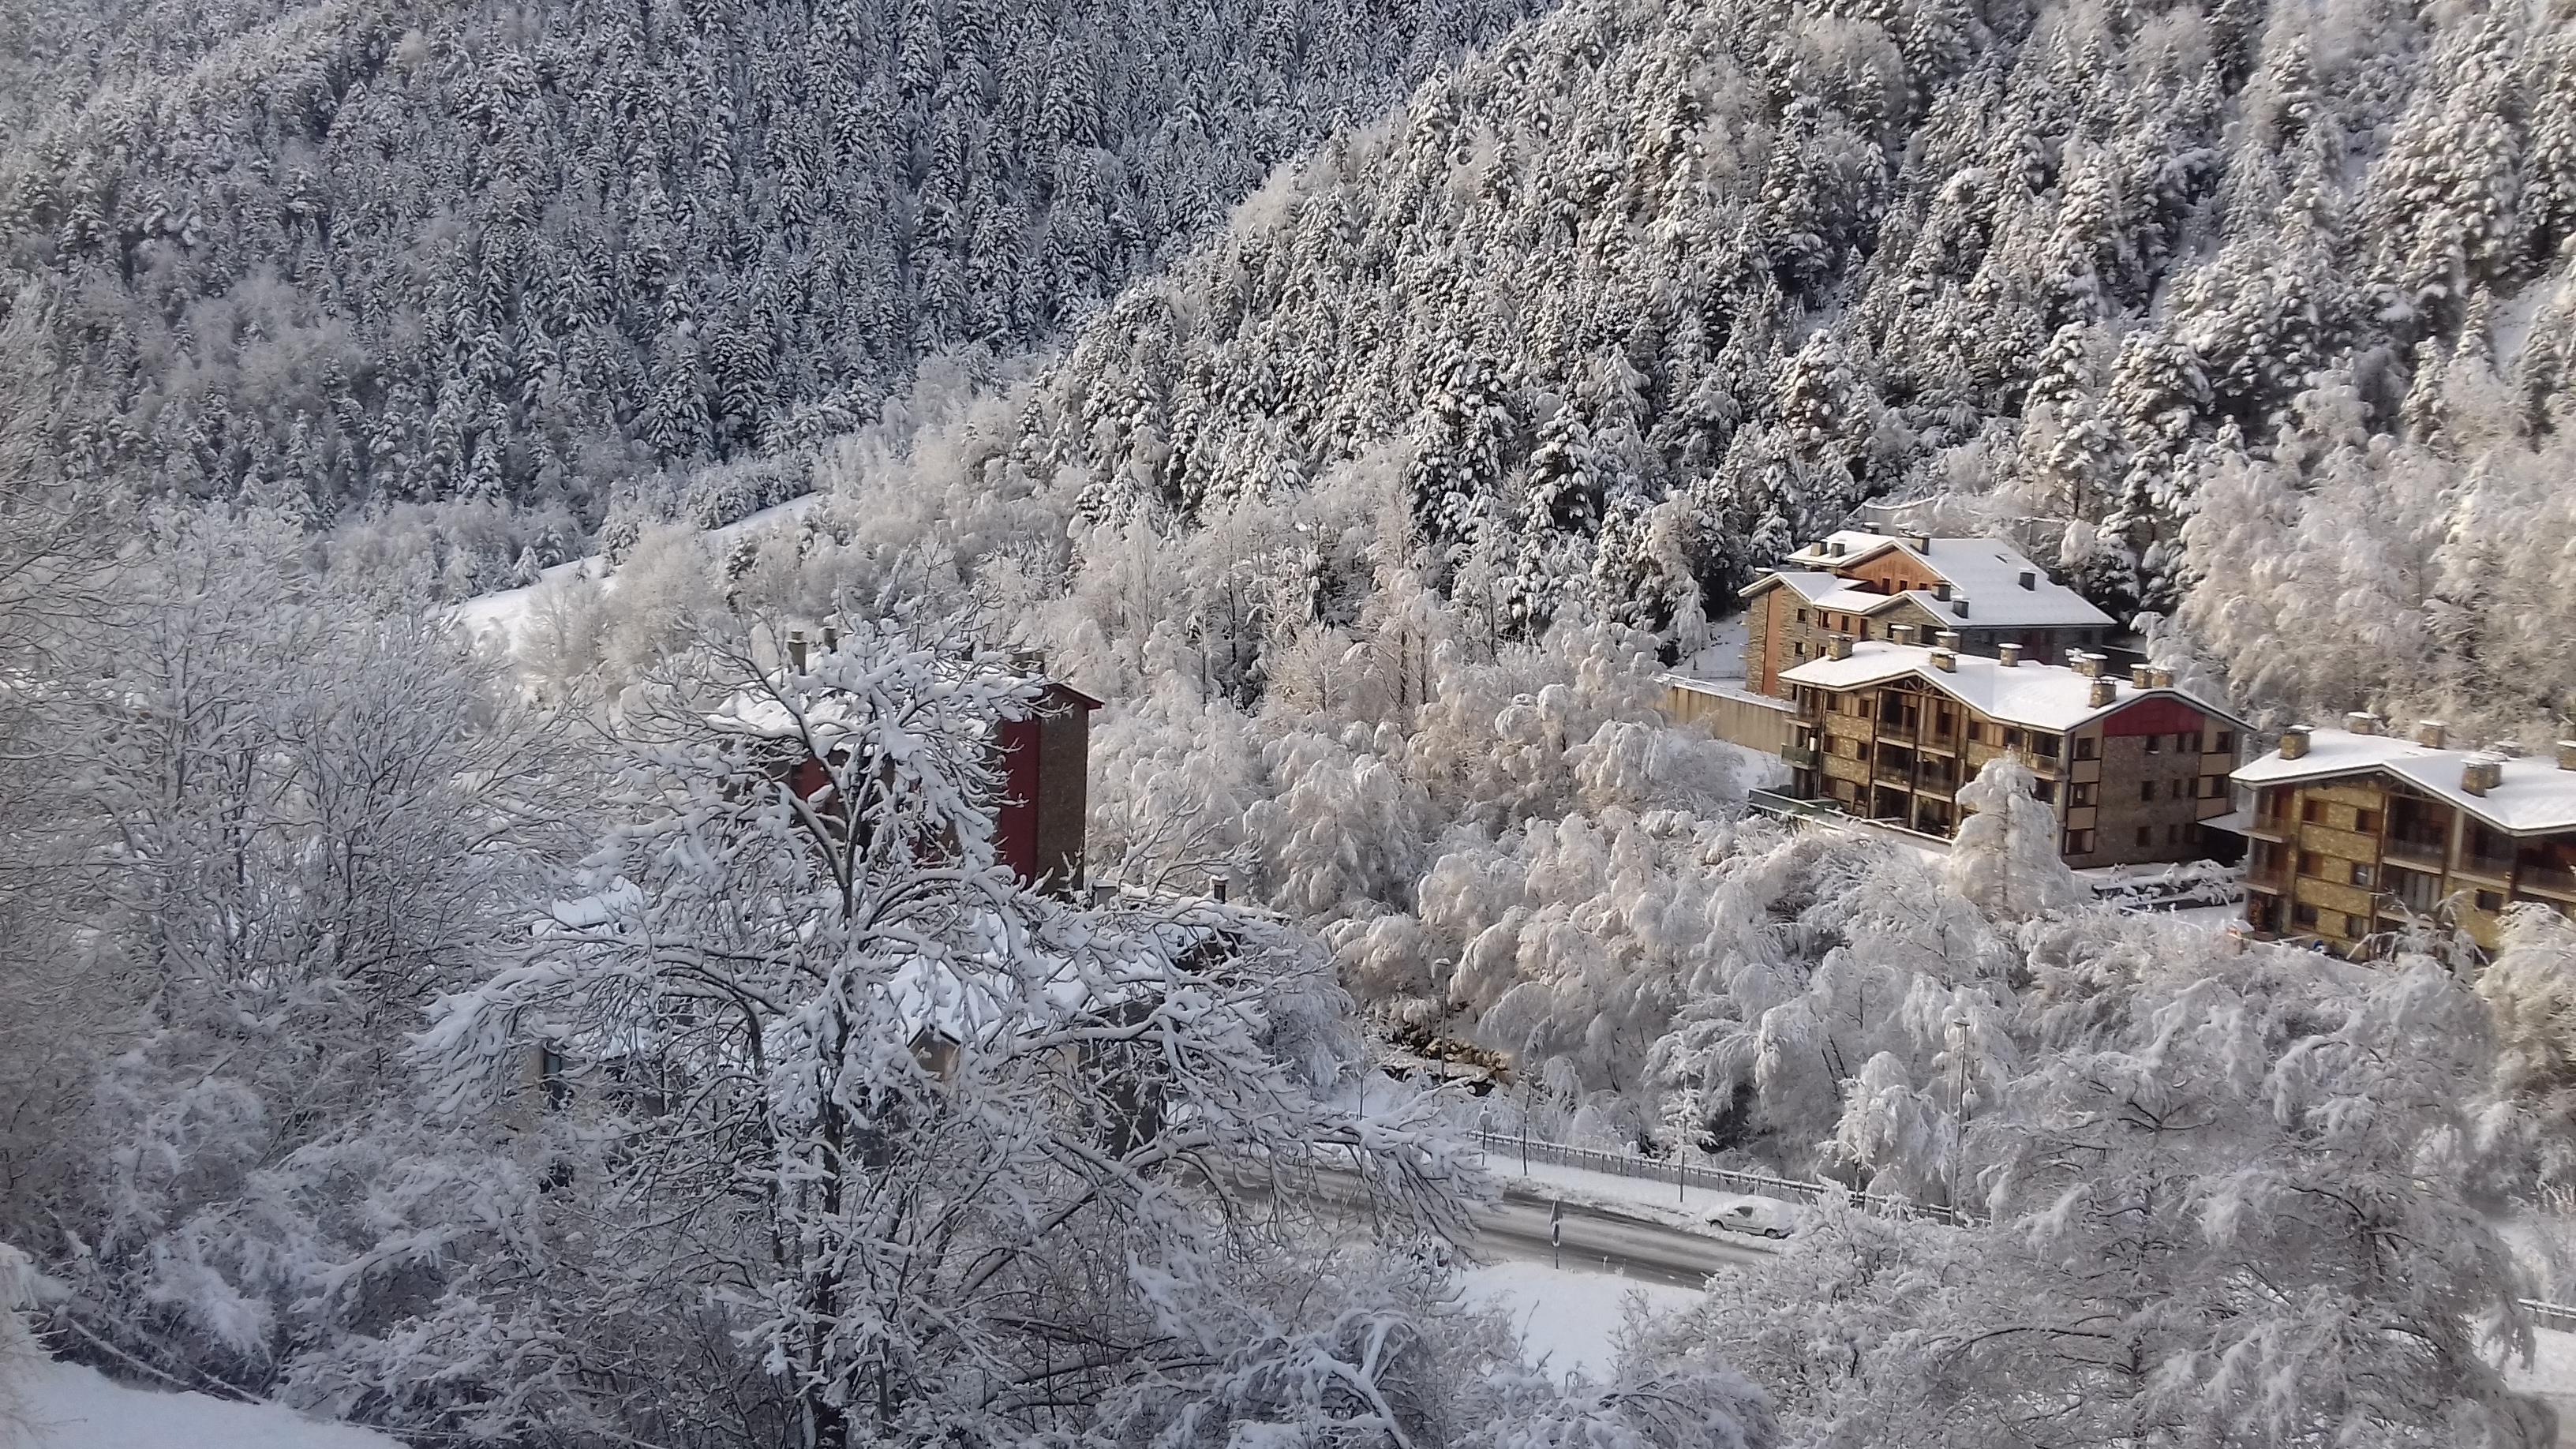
1015 829
2156 717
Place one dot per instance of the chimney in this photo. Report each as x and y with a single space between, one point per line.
1947 639
1838 647
1946 660
2567 754
1941 591
1959 606
831 637
2481 773
2294 742
1217 886
2029 578
1835 547
2361 722
796 650
1102 893
2160 678
2088 665
1902 634
1030 662
2104 691
2139 675
1922 542
2008 656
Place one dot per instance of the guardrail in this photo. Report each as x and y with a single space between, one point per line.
1754 1184
2551 1315
2557 1316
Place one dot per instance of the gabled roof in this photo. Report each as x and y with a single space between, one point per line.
2532 797
1986 571
2041 696
1810 584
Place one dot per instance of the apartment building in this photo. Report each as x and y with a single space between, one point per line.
1868 585
1889 730
2356 831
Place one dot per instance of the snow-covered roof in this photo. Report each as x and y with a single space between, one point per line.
1810 584
2042 696
2531 797
1985 571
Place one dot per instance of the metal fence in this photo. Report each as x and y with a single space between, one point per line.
2551 1315
1753 1184
2557 1316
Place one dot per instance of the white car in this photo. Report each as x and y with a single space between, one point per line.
1762 1219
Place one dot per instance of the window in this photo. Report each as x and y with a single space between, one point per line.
2303 915
2360 874
2311 863
2174 834
2490 901
2155 744
2366 821
1802 616
2146 789
2186 743
1798 651
2225 744
2080 793
2146 835
2079 842
2012 739
2312 811
2044 746
2044 791
2087 747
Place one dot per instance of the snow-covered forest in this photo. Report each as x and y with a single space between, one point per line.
462 1034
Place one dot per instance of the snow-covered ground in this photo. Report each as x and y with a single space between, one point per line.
504 614
2552 1375
70 1407
1721 659
1569 1318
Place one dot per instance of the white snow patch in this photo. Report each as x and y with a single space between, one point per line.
2552 1375
2511 329
504 614
70 1407
1721 659
1569 1319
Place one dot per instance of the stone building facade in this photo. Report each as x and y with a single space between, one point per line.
1867 585
2357 833
1889 732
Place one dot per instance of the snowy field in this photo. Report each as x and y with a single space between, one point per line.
69 1407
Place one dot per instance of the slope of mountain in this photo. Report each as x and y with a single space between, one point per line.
361 250
1647 292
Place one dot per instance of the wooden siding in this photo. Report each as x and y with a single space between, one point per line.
1754 724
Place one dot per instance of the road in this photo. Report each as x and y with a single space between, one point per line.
1596 1238
1600 1240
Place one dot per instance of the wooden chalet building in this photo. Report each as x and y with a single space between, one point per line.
1888 731
2356 831
1867 585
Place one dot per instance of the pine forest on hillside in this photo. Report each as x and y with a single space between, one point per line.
530 537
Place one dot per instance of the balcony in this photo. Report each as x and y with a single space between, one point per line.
2272 827
2496 868
2426 854
2548 875
1798 757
